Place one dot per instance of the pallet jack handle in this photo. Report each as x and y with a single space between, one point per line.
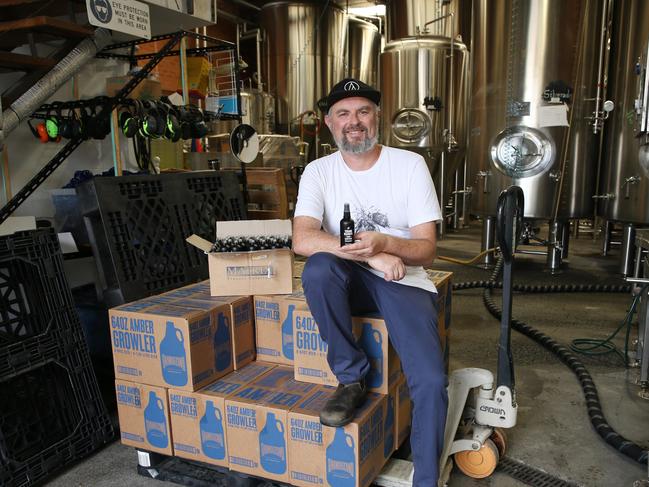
509 224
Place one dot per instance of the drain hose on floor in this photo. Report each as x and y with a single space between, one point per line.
595 413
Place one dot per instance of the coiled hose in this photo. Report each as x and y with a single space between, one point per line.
595 413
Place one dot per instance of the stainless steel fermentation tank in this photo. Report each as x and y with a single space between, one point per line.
535 109
410 18
624 188
364 46
304 53
424 84
257 110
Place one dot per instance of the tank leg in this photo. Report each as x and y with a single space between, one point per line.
465 199
606 244
456 201
442 194
554 245
628 249
488 239
565 237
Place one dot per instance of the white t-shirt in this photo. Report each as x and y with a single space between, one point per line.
395 194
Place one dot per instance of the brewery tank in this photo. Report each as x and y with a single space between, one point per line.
625 171
257 110
408 18
364 46
424 84
304 53
534 89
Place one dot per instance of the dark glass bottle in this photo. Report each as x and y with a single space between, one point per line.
346 228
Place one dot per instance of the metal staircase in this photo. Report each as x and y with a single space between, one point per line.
34 36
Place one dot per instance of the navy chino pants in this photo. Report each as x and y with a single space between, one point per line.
336 289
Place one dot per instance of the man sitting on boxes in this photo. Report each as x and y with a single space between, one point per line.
394 204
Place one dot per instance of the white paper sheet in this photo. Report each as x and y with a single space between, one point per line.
553 115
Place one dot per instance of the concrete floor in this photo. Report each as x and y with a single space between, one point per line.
553 431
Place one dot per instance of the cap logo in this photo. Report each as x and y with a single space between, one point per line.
352 86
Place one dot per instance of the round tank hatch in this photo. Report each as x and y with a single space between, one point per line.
521 151
410 125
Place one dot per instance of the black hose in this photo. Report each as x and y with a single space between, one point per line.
547 288
595 413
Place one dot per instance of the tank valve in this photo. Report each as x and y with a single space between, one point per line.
627 184
484 175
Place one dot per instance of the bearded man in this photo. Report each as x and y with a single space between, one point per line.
393 201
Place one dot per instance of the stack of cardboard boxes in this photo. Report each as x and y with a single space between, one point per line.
188 384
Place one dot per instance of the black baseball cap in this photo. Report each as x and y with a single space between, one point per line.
347 88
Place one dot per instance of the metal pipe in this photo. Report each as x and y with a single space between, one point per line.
465 210
235 19
564 237
247 4
442 193
249 34
531 252
606 242
67 67
488 239
600 67
451 139
554 246
260 84
456 201
628 248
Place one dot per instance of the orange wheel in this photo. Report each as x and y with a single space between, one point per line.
500 439
478 464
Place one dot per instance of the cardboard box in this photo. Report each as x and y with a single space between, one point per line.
186 291
257 419
351 456
169 346
253 272
144 416
167 70
147 89
371 334
238 317
198 418
274 319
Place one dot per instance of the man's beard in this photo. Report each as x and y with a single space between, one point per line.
345 145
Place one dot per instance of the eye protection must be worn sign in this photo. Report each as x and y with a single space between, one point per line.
128 16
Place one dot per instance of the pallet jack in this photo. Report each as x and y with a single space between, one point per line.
476 412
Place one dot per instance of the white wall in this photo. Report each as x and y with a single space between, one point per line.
27 155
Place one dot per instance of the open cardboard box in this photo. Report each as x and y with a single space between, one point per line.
251 272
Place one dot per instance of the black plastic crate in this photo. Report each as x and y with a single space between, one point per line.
50 415
34 294
138 224
30 352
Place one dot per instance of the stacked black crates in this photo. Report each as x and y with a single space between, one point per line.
51 411
137 227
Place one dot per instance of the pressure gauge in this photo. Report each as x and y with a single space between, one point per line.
522 151
410 125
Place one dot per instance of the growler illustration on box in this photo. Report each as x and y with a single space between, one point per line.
173 360
272 446
212 434
155 422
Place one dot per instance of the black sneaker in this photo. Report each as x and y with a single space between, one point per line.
340 409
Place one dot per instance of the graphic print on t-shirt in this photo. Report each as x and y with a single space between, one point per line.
370 219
